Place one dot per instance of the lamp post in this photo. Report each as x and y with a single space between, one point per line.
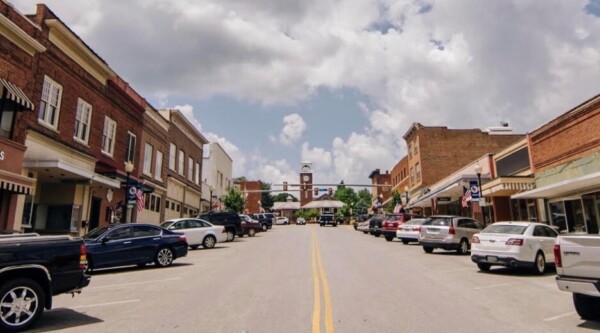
478 170
128 170
211 190
406 194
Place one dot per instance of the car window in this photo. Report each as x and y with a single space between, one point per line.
193 224
416 221
120 233
550 232
438 221
462 223
145 231
179 225
505 229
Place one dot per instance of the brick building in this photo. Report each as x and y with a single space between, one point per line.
252 196
399 179
382 183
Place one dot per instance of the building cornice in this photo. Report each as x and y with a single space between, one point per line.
16 35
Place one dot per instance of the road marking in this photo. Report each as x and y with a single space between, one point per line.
494 286
319 272
560 316
131 284
105 304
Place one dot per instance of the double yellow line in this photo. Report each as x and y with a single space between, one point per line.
319 272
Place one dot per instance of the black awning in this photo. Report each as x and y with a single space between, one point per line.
15 94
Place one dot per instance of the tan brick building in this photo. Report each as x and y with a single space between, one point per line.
382 184
252 196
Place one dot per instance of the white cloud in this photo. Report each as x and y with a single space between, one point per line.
292 130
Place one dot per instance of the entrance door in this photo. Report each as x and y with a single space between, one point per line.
94 218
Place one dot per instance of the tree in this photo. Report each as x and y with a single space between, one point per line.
282 197
348 197
364 201
266 199
234 200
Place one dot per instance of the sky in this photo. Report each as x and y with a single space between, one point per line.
339 82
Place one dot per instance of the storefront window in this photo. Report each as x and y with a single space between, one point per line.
557 215
591 214
575 219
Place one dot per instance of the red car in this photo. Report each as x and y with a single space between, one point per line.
250 226
390 225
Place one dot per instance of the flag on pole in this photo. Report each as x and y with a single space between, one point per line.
466 197
139 194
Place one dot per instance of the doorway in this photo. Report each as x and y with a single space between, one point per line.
94 217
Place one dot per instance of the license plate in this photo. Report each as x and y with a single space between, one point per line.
492 258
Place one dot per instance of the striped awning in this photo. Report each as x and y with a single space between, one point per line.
15 94
507 186
13 182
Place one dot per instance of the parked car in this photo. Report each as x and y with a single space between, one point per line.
133 244
33 269
448 232
363 226
327 219
265 221
250 226
300 221
409 231
282 220
390 224
197 232
375 225
514 244
230 220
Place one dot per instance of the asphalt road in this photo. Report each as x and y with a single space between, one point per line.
311 279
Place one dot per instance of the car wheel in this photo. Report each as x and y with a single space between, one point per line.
539 266
365 232
22 304
251 232
484 267
405 242
264 227
427 249
194 247
389 238
587 307
209 242
230 236
164 257
335 224
377 234
463 247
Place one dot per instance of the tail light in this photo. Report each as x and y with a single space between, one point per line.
417 229
557 257
183 238
451 231
475 240
515 241
82 256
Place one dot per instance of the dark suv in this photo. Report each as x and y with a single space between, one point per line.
327 219
230 220
265 220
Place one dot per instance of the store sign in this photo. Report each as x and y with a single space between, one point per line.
1 155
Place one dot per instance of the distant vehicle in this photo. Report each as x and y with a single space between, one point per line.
327 219
514 244
266 221
133 244
197 232
33 269
300 221
363 226
230 220
390 224
375 225
448 232
250 226
282 220
409 231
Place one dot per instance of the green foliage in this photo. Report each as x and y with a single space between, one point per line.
364 201
282 197
234 200
266 198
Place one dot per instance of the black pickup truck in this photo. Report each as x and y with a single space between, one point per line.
34 268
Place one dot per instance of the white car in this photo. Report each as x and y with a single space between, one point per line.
282 220
514 244
300 221
409 231
197 231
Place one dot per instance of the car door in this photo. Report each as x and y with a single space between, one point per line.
145 242
545 237
115 248
196 231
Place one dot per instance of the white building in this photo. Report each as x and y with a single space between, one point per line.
217 168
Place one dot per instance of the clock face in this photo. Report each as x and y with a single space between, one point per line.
305 168
305 178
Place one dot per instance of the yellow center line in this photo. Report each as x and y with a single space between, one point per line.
319 271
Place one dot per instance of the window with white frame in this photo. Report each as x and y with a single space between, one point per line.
158 165
172 154
148 159
190 169
181 165
108 136
412 175
82 121
197 176
130 151
50 103
418 171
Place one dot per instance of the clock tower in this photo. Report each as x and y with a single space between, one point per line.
306 180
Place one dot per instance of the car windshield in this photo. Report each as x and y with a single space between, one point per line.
505 229
166 224
95 233
416 221
439 221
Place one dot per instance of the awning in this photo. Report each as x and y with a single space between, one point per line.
16 183
507 186
563 188
426 202
286 205
15 94
323 204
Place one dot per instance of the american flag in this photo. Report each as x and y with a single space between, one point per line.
466 197
139 194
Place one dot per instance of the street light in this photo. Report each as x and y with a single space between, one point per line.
211 189
128 170
478 172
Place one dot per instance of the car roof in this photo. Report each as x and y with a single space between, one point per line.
522 223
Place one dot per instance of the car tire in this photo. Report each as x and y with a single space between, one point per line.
587 307
251 232
17 294
484 267
335 224
264 227
365 232
405 242
539 265
194 247
427 249
209 242
377 234
463 247
389 238
164 257
230 236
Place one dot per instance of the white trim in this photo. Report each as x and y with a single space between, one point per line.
94 177
562 188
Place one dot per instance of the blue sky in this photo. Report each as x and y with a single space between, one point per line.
338 82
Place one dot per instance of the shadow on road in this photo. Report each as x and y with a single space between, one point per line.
62 318
125 269
522 272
